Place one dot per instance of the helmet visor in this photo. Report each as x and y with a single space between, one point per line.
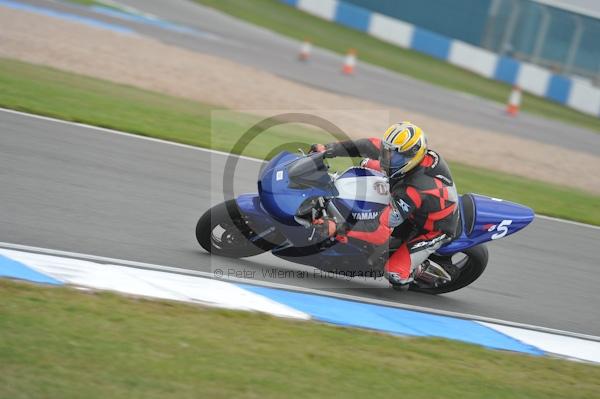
392 161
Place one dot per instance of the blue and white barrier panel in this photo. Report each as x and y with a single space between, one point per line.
164 283
579 95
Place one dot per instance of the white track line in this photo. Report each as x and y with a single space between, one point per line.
191 147
119 133
553 219
269 284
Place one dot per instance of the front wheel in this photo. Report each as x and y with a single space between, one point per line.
465 267
222 231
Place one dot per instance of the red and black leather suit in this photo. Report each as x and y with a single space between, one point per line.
424 203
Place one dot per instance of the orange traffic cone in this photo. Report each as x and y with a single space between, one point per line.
305 50
514 101
349 62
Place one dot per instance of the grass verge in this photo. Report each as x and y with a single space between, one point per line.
61 343
51 92
94 3
288 21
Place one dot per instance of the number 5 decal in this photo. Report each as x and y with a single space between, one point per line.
502 229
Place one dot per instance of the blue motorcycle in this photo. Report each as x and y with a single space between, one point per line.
294 190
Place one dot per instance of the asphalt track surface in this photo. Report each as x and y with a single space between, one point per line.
85 190
250 45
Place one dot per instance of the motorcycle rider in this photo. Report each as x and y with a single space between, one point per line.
423 198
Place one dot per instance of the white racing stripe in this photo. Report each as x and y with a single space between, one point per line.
151 283
186 288
571 222
286 287
569 347
191 147
125 134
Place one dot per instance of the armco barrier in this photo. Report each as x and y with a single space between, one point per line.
534 79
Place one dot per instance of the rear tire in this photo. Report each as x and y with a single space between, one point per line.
477 258
223 232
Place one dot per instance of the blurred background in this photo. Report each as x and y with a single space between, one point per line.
559 34
117 121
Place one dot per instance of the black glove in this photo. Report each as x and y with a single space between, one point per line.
323 229
317 148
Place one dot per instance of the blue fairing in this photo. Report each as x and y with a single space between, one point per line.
277 198
277 203
359 172
494 219
250 206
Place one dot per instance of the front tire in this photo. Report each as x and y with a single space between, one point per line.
222 231
473 265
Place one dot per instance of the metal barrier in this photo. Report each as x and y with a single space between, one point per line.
546 82
536 31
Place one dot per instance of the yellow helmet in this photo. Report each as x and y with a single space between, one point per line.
403 147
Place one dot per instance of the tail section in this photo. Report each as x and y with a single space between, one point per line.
495 218
487 219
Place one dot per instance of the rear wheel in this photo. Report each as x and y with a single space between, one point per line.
222 231
464 267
